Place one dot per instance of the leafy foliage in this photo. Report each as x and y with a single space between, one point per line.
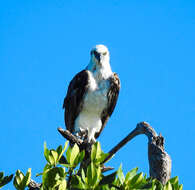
4 180
21 180
64 170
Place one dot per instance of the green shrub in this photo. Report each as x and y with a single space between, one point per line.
64 170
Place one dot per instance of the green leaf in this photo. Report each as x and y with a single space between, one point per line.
180 187
97 155
167 186
109 179
83 176
46 152
76 182
18 180
39 174
26 179
93 175
136 180
74 153
93 151
66 165
62 185
130 175
106 187
98 150
1 175
59 149
174 180
21 181
97 179
53 177
51 159
102 157
120 174
5 180
63 161
68 154
145 176
90 173
79 158
155 188
55 156
62 151
159 186
47 167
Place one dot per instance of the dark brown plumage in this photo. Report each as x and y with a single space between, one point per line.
112 99
73 101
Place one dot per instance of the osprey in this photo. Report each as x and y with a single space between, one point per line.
91 97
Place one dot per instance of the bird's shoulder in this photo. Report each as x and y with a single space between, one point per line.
77 86
79 79
115 81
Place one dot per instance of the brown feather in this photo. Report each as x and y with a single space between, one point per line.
73 101
112 96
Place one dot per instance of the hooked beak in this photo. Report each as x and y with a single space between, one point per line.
97 56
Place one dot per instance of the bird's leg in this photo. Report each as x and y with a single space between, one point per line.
91 138
83 133
76 133
80 133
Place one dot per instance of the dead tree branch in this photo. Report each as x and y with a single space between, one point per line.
33 185
70 137
159 160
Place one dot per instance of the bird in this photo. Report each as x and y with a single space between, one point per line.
91 96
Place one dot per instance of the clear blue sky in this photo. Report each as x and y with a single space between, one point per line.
43 44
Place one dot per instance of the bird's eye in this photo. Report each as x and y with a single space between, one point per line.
95 53
104 53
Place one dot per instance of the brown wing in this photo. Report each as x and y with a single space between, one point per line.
73 101
112 96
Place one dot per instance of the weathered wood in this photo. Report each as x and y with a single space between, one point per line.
33 185
69 136
159 160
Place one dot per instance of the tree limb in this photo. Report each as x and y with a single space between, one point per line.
33 185
69 136
119 146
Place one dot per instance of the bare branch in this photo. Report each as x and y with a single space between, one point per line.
159 160
119 145
69 136
33 185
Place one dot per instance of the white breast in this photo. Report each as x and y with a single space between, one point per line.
95 101
96 98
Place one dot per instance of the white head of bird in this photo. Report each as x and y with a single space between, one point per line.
100 62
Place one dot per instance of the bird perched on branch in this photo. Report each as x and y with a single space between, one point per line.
91 97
